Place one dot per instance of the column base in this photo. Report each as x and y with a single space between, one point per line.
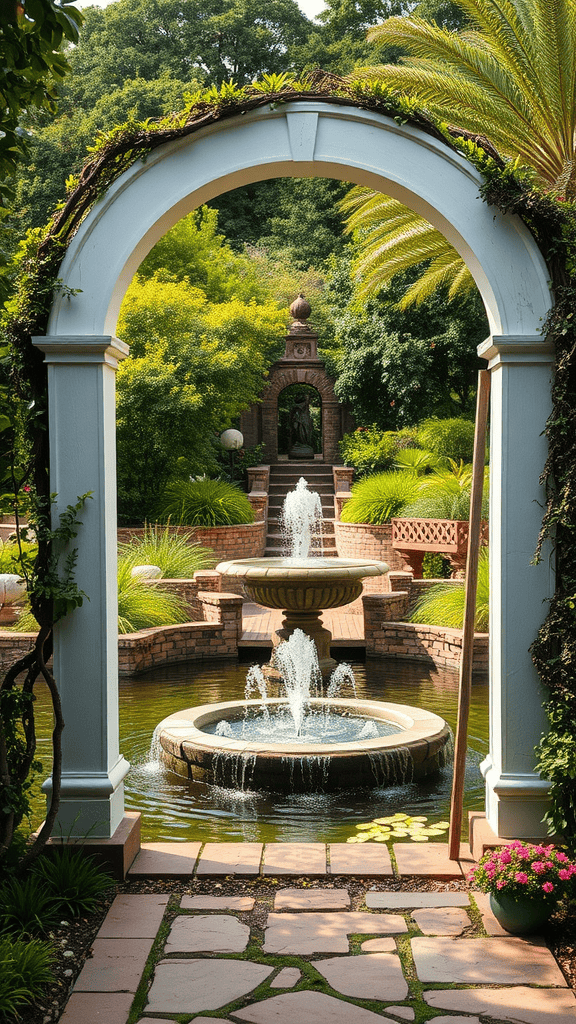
117 854
515 803
91 803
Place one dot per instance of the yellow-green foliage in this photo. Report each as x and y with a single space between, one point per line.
142 605
178 555
443 604
194 366
378 498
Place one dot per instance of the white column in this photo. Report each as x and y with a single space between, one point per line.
521 370
81 403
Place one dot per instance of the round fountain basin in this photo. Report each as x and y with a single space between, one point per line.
420 745
303 584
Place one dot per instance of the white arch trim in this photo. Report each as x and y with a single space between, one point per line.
297 139
301 139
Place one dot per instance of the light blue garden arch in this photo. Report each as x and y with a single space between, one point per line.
299 138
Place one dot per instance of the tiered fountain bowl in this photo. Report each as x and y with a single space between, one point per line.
303 588
419 743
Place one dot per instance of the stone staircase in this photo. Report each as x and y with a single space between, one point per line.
283 478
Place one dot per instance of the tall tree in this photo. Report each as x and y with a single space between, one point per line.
510 79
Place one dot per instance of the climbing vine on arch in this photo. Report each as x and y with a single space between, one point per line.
553 224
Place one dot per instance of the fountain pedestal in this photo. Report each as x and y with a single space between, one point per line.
311 624
303 588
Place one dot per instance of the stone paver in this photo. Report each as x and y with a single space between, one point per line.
406 1012
325 933
295 859
370 860
379 946
217 903
308 1008
492 926
116 965
441 920
454 1020
188 986
429 860
491 961
207 933
98 1008
399 900
520 1005
314 899
374 976
286 978
134 917
230 859
158 860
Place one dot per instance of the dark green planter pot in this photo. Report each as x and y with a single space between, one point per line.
520 917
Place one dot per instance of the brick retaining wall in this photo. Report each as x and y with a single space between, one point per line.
386 638
216 635
362 540
245 541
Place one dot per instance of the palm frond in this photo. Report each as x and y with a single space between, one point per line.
393 239
512 78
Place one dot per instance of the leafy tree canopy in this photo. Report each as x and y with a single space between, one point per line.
397 366
210 40
194 366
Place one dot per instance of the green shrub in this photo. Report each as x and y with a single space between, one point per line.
10 553
435 566
443 605
451 439
376 499
177 555
446 495
25 970
205 503
142 605
415 459
27 907
75 881
369 449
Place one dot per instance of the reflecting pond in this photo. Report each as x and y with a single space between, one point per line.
174 809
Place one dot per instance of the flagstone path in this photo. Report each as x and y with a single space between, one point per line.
312 956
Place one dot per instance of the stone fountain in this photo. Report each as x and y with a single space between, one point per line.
302 742
300 585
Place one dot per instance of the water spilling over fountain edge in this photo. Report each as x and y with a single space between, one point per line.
421 747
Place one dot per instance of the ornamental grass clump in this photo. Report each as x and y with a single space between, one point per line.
205 503
376 499
521 871
177 555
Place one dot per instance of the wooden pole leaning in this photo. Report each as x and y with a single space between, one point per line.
465 680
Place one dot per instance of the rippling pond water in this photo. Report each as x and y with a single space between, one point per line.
174 809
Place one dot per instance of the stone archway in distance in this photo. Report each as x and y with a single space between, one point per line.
297 139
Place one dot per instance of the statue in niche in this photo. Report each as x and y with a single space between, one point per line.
301 429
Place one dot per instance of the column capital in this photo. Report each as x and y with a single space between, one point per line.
82 348
515 348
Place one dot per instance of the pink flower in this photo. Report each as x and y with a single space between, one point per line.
500 884
549 864
548 887
521 877
505 857
564 874
538 867
561 857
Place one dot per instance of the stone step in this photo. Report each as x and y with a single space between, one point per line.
277 542
319 488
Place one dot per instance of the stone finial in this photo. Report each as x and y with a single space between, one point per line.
300 311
